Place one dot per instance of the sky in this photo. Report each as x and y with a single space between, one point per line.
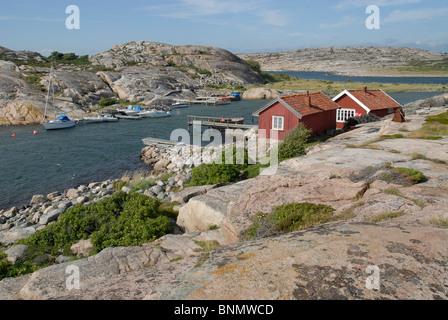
240 26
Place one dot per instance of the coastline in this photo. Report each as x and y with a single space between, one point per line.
364 73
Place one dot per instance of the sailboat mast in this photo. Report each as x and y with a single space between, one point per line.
48 91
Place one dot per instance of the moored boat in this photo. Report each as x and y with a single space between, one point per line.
61 122
128 117
180 105
100 118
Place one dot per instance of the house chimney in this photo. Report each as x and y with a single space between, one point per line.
308 99
364 89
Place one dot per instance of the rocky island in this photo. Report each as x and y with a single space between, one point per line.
355 61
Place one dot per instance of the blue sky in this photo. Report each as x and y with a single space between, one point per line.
237 25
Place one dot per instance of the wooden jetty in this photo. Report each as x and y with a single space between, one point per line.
208 101
220 123
159 142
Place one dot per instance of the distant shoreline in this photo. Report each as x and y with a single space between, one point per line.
365 73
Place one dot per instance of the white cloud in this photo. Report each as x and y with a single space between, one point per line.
380 3
199 9
415 15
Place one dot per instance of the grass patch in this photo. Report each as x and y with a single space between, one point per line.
288 218
434 128
419 156
208 246
367 144
439 220
348 213
385 217
396 192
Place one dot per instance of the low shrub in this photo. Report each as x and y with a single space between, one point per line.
294 144
9 270
206 174
120 220
288 218
107 102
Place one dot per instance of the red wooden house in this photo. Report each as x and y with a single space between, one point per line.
360 102
315 110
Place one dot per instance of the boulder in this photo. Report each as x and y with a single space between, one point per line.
72 194
11 236
185 195
50 216
53 195
10 213
37 199
260 94
161 165
83 247
16 253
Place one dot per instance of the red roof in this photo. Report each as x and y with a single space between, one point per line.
375 99
318 103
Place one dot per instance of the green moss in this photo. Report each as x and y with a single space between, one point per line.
414 175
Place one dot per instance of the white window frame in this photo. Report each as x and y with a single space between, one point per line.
275 123
342 115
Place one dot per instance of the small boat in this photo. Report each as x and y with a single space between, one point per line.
62 122
236 120
127 117
159 114
223 100
234 97
145 113
180 105
130 110
100 118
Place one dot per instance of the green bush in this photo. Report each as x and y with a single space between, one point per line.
107 102
206 174
294 144
215 173
254 65
120 220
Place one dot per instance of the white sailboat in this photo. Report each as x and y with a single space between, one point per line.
61 122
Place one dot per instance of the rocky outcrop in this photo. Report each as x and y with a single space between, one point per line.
142 72
329 262
425 106
343 60
205 64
